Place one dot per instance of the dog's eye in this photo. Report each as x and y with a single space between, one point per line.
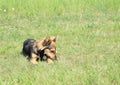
53 51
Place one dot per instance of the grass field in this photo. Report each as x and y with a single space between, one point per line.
88 44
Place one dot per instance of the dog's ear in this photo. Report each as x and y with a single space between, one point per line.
46 41
54 38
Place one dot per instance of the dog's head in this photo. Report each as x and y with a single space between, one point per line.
48 45
51 51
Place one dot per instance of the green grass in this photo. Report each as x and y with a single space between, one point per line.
88 42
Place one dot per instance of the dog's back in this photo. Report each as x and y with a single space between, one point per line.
27 47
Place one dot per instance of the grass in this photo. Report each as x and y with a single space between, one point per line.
88 42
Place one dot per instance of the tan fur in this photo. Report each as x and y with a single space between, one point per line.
34 59
52 51
50 61
41 43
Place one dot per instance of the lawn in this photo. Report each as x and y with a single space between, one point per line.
88 41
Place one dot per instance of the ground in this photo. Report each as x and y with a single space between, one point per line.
88 41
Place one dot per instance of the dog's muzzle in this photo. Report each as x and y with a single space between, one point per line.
50 57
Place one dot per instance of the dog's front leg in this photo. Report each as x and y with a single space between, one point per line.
50 61
34 58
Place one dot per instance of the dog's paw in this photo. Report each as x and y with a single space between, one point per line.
50 61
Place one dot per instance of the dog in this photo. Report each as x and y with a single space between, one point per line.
45 50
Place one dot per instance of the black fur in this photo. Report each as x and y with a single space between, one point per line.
28 47
42 55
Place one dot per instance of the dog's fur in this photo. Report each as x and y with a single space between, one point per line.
52 52
43 50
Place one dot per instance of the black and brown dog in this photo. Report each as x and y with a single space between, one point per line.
45 50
